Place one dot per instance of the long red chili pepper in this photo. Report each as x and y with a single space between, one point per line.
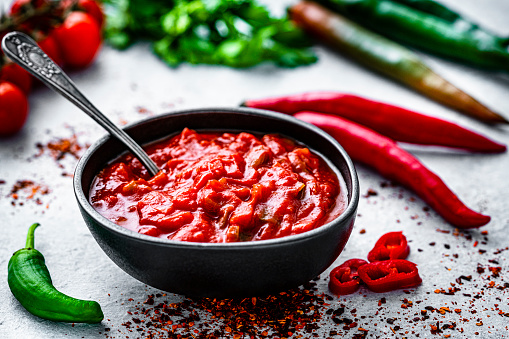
388 275
344 279
392 245
395 122
384 155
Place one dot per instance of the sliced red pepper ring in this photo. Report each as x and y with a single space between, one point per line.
392 245
344 279
388 275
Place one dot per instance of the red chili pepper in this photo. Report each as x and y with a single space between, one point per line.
394 122
392 245
388 275
344 279
384 155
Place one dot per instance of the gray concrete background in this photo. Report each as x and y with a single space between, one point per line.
131 85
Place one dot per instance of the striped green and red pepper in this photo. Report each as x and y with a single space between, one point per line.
386 57
429 26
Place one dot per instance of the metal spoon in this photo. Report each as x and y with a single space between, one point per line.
24 51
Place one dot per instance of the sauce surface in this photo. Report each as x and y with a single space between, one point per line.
221 187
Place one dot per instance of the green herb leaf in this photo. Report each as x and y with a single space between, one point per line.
235 33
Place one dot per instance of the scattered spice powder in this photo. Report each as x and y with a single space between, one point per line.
370 193
25 190
60 148
144 111
294 312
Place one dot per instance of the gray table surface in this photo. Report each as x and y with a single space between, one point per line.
131 85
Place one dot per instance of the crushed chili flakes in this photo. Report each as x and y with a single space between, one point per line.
293 312
406 303
24 190
370 193
60 148
144 110
495 271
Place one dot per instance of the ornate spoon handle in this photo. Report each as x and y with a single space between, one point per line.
24 51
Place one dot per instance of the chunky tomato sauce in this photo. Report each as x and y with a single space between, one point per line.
221 187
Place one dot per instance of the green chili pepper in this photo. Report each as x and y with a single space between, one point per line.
30 282
430 26
387 57
432 7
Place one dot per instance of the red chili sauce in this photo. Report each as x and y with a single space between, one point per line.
221 187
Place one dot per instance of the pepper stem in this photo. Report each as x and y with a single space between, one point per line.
30 235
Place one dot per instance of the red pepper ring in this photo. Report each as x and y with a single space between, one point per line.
392 245
388 275
345 279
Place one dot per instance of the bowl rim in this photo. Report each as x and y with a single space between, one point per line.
124 232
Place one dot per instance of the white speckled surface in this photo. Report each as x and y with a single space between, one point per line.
120 83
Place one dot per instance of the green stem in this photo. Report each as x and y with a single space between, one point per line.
13 22
30 235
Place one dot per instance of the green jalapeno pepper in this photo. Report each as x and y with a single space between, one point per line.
430 26
30 282
433 8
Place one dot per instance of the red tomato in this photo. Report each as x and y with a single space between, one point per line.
13 108
16 75
79 39
50 46
94 9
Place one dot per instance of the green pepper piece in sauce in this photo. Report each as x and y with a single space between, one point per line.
30 282
429 26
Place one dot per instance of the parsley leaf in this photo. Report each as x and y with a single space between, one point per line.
235 33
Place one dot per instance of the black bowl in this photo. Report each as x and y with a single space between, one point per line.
227 269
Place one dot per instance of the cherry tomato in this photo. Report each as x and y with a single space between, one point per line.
50 46
13 108
79 39
94 9
16 75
